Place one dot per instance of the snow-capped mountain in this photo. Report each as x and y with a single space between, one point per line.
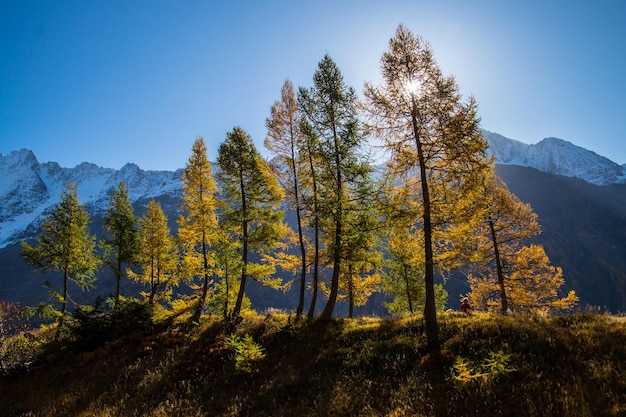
28 188
556 156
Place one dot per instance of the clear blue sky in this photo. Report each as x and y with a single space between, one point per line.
111 82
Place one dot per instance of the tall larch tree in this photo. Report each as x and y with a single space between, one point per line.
311 167
252 208
427 129
198 223
120 244
505 272
331 110
285 141
157 255
65 246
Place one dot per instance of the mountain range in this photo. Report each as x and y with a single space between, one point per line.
579 197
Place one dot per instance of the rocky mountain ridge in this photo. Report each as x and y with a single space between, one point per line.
556 156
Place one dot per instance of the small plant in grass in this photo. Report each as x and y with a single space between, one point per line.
247 351
496 364
463 371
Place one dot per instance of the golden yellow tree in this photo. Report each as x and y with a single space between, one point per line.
197 225
433 135
157 255
285 141
532 285
506 275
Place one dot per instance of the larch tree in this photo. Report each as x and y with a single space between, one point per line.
121 241
157 255
330 108
311 205
363 260
285 141
429 131
403 277
198 223
252 208
65 246
228 263
505 272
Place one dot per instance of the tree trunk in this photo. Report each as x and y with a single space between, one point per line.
63 306
503 299
327 314
300 308
430 310
118 276
205 286
316 232
350 293
408 289
244 254
316 258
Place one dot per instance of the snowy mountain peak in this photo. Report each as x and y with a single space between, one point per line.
18 159
556 156
29 188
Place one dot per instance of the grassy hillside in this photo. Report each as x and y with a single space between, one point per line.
563 366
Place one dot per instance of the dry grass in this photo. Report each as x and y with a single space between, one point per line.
563 366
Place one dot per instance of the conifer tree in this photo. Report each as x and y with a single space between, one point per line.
252 199
284 141
311 203
429 132
65 245
228 263
157 255
197 225
506 273
121 242
403 279
363 247
330 109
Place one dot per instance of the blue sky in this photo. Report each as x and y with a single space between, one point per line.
112 82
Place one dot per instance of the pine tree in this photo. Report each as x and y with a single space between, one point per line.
157 255
284 141
252 208
431 133
197 226
121 243
330 109
65 245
